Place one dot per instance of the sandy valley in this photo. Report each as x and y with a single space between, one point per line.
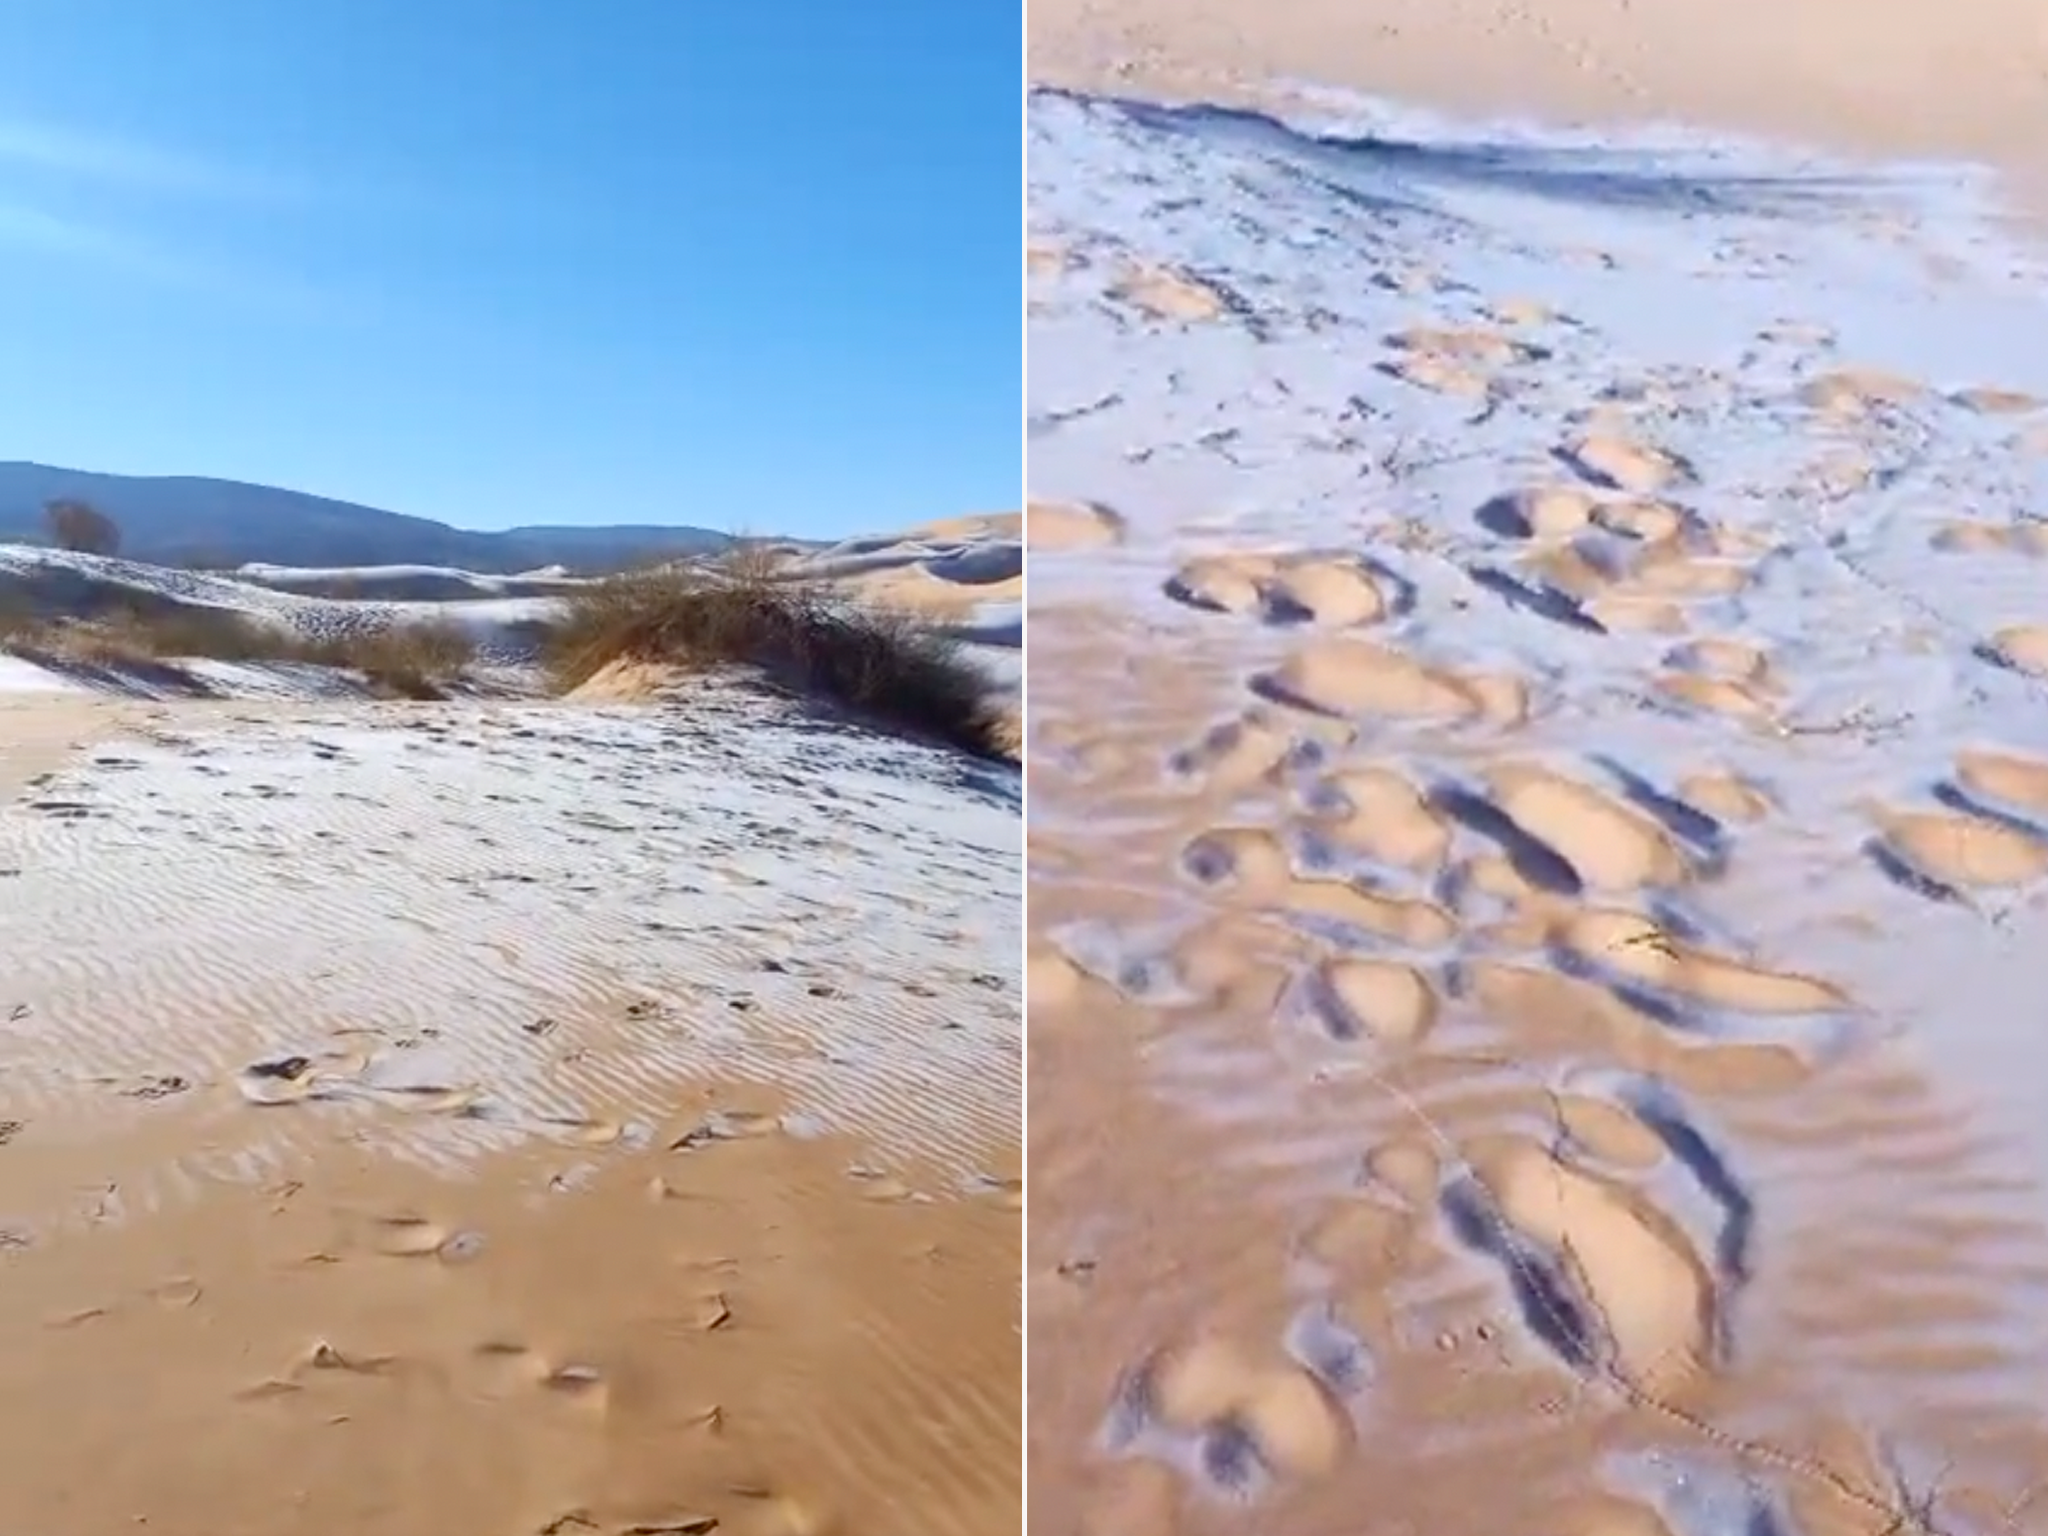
1539 828
502 1114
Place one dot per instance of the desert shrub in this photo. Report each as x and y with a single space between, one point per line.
414 661
79 526
218 634
888 666
18 617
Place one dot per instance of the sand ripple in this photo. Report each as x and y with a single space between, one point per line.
459 929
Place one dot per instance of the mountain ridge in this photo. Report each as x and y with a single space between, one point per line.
196 519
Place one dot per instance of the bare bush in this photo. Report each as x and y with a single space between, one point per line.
413 661
81 527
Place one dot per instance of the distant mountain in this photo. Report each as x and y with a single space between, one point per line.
184 520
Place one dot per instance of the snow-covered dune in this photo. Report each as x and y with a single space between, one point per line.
1539 747
58 582
404 583
679 850
965 578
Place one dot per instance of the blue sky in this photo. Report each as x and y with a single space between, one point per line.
752 266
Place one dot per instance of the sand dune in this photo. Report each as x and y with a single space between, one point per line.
498 1114
310 604
965 577
404 583
1967 81
1538 823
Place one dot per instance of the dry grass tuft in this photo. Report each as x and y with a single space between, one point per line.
887 666
411 661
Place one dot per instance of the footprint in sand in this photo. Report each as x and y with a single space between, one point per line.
1521 312
1634 949
1610 846
1456 360
1608 1131
1053 526
1333 591
1164 294
1042 258
1346 677
2020 647
1350 1000
2004 777
1961 851
1546 512
1731 698
1241 1417
1380 813
1367 1240
1052 982
1852 393
1964 537
1723 677
1604 1277
1622 612
1643 519
1251 866
1408 1168
881 1188
1989 400
1468 344
1725 794
1621 463
1716 656
177 1293
1439 375
1799 333
1670 572
1236 754
321 1356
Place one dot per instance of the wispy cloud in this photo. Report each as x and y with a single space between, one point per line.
36 229
139 167
126 255
122 207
